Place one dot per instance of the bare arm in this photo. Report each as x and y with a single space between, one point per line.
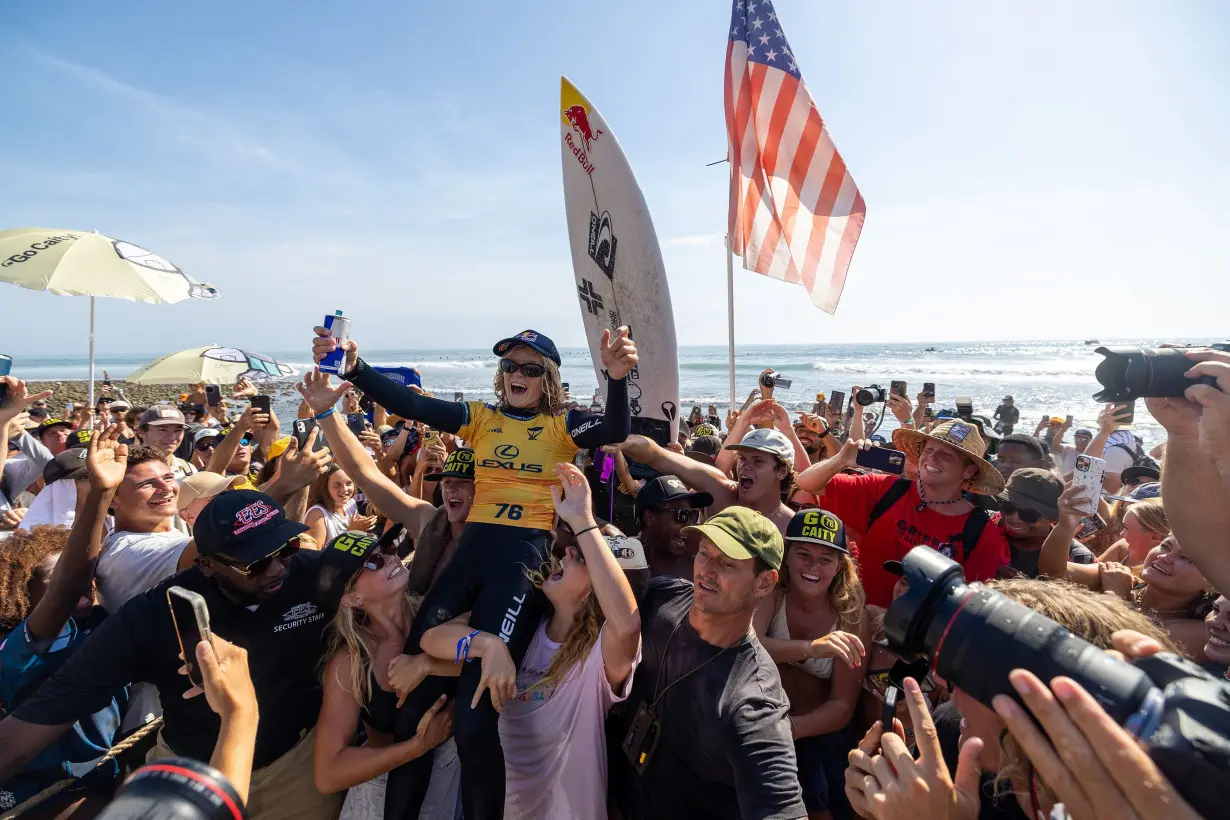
226 449
337 765
631 485
693 473
781 650
835 712
21 742
816 477
747 418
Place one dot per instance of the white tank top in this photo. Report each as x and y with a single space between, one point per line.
816 667
336 523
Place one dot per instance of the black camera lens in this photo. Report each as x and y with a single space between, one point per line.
177 788
975 636
1129 373
870 395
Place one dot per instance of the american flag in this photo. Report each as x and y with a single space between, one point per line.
795 212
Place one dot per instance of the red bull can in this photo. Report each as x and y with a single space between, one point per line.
339 328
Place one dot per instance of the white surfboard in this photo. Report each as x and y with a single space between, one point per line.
620 276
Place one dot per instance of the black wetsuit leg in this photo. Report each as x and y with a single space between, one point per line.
488 577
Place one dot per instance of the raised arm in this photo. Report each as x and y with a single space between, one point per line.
693 473
591 431
1053 556
74 571
251 419
621 634
816 477
745 420
390 499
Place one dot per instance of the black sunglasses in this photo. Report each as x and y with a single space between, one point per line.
528 368
378 558
1028 516
207 444
261 565
682 515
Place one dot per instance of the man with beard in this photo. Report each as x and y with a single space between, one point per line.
705 731
261 592
764 472
663 508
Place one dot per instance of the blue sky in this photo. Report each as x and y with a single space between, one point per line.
1033 169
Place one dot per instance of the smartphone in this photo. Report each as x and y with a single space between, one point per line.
213 395
929 413
1090 525
837 401
565 385
459 396
357 422
1068 419
883 459
965 407
929 389
191 619
1089 473
1125 412
302 428
897 387
261 403
6 367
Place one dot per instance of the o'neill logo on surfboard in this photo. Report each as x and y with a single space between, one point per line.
602 242
578 117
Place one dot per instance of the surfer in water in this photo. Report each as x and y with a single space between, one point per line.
517 441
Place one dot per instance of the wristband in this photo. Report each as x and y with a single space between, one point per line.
587 529
828 431
326 414
463 647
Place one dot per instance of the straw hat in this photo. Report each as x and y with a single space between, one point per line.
959 435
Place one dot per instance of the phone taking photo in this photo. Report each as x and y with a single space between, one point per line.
883 459
261 403
301 429
190 616
357 422
837 401
929 389
1125 412
897 388
1089 474
213 395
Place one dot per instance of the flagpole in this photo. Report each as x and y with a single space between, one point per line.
730 316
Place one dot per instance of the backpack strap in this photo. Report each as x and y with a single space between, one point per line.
895 493
972 533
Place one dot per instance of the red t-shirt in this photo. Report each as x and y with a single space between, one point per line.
901 528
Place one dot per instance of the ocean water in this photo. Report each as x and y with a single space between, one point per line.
1045 377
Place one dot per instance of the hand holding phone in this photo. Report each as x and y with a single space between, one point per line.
883 459
261 403
929 389
1089 473
213 395
357 422
897 387
190 617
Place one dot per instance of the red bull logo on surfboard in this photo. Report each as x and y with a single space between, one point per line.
583 135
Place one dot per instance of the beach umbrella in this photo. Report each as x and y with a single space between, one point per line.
86 263
210 364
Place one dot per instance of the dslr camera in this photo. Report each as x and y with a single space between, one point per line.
1130 373
176 787
1179 711
870 395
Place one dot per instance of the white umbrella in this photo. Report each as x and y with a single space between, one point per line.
86 263
210 364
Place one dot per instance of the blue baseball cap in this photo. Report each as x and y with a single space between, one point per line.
531 339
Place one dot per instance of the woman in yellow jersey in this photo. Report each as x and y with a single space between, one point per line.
517 441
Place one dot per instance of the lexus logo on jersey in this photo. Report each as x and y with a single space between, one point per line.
602 242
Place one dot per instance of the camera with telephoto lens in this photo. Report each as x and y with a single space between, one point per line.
176 788
870 395
1129 373
1179 711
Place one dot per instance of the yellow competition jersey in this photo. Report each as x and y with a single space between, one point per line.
514 461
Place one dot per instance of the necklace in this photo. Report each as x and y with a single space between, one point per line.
662 668
1138 603
922 496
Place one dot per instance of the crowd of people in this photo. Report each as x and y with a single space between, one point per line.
523 608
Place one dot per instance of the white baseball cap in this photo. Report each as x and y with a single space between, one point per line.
767 441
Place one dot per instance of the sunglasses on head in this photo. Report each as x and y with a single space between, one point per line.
261 565
377 559
682 515
529 369
1028 516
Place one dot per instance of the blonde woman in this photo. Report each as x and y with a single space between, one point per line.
516 441
332 509
373 618
579 664
814 627
1144 527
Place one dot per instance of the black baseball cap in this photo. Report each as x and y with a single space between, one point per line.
459 464
817 527
68 464
667 488
531 339
895 567
79 439
340 559
244 526
1140 474
49 423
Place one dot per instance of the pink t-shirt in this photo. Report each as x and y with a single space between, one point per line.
554 741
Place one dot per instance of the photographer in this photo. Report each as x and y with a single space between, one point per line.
1196 475
895 514
989 776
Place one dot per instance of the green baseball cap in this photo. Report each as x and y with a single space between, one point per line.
742 533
